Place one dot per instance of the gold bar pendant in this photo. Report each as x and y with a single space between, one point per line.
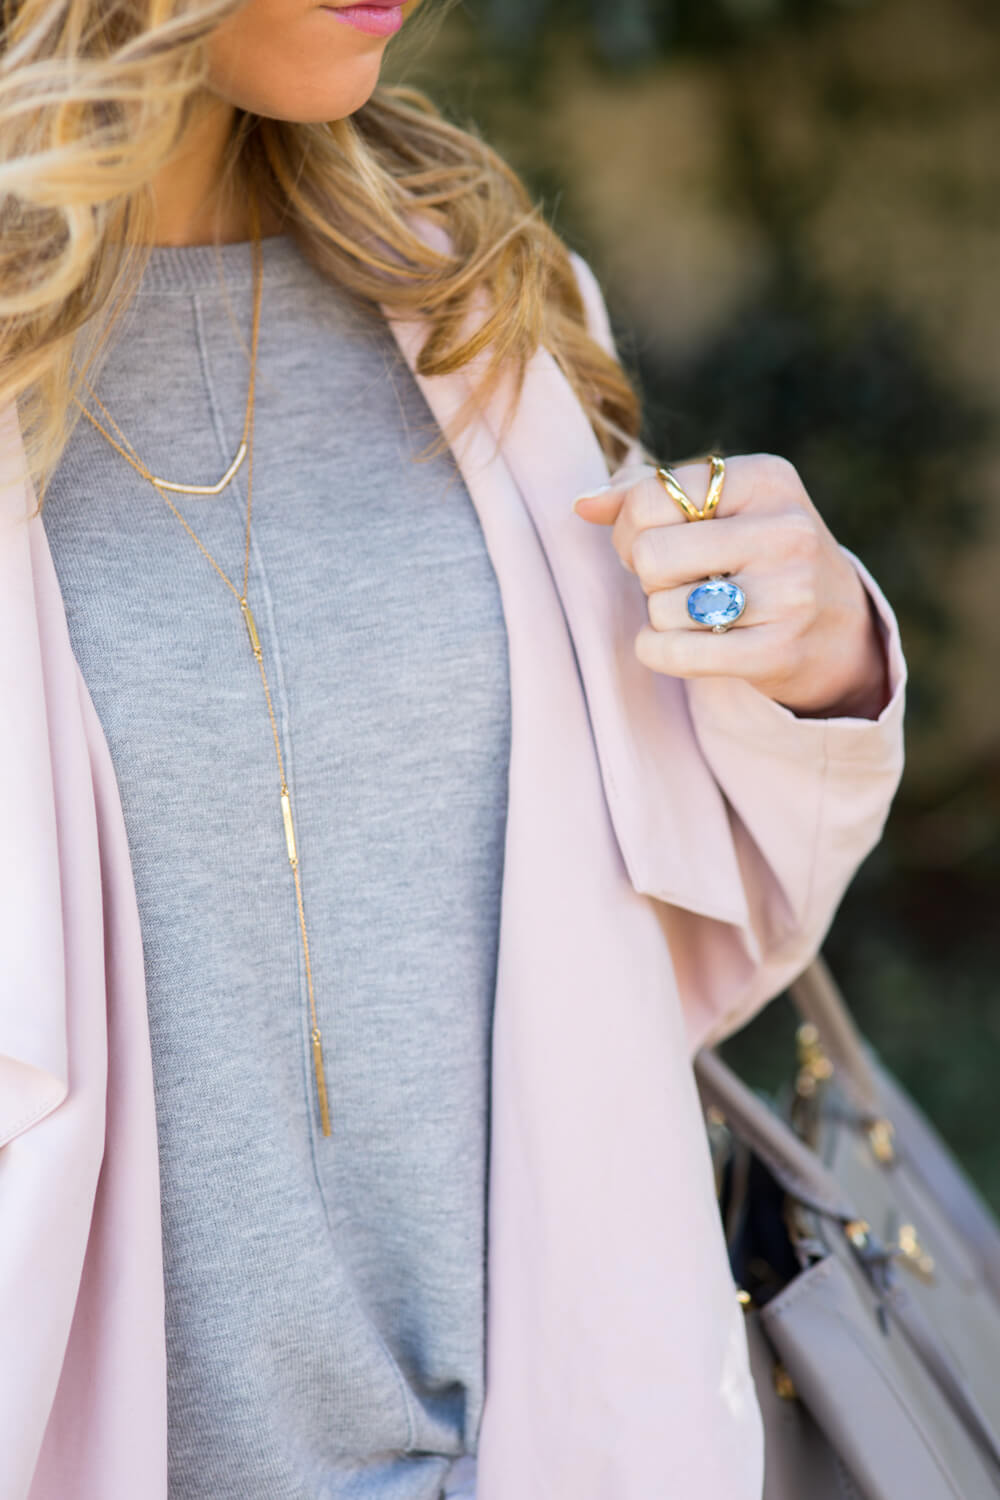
324 1111
286 813
251 629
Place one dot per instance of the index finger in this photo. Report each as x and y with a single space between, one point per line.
649 504
756 484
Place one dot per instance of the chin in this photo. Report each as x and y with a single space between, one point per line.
305 105
308 70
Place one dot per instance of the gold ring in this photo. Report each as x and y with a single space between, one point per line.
687 505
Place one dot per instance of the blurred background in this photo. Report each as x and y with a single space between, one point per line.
794 209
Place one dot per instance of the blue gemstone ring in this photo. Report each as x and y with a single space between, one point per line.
717 603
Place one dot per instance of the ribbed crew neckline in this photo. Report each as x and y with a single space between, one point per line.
193 268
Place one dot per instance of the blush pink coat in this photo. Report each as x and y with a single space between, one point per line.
674 855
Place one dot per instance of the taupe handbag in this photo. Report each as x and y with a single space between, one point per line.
870 1275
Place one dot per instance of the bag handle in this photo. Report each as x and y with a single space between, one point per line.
796 1167
798 1170
817 999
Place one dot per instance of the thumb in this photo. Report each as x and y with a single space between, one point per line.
601 506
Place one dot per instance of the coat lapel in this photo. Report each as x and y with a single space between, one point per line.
609 1334
669 817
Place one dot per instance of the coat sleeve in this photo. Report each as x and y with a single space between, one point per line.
807 800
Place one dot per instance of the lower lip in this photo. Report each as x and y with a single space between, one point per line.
377 20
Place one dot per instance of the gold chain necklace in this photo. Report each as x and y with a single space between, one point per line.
161 485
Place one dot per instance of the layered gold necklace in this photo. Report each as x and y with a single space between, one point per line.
245 451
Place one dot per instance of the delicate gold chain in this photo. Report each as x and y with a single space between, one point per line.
132 458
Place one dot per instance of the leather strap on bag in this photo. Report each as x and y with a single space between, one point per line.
798 1170
817 999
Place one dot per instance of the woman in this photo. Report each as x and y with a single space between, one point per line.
378 833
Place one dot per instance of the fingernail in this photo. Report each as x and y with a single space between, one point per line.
592 495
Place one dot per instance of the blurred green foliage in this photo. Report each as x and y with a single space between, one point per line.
839 378
627 31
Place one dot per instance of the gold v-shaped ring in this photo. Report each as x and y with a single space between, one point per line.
205 489
680 496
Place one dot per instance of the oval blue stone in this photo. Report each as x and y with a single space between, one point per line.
717 602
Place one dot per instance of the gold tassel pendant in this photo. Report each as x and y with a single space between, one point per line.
324 1110
251 625
286 813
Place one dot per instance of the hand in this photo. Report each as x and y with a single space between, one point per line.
808 638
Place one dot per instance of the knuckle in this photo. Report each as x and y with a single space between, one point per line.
620 544
669 652
644 504
771 478
800 595
652 649
647 554
789 659
681 658
800 536
777 473
643 643
659 610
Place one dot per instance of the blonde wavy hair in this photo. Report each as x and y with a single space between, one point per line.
95 96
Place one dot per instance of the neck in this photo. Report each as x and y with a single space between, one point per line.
192 204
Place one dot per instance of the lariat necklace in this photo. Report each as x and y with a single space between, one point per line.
245 450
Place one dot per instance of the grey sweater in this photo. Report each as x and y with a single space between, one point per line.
325 1297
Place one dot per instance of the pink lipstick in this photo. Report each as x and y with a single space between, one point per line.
377 17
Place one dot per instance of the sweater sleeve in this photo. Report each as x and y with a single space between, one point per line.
807 800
